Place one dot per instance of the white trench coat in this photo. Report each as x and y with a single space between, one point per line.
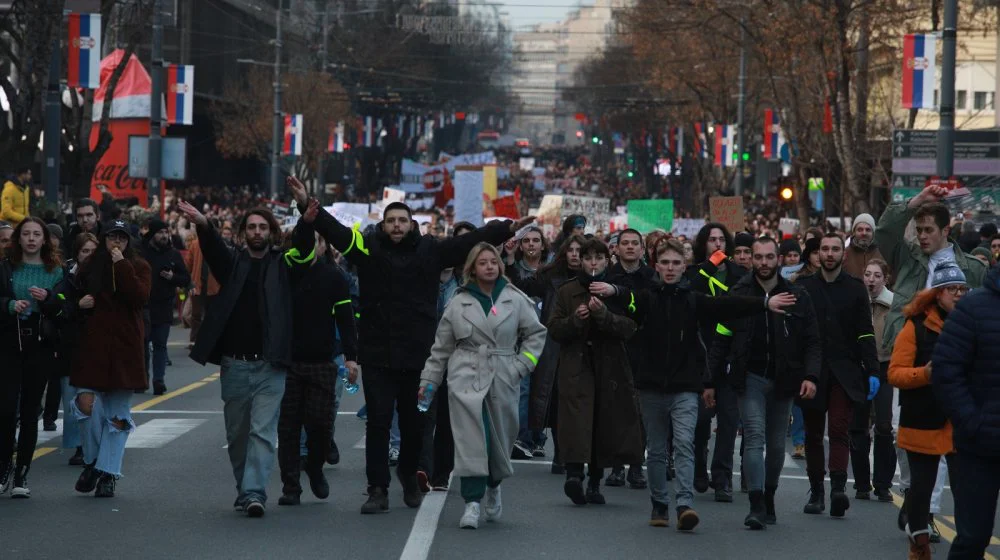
485 356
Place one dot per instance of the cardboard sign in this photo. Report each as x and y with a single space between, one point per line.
645 216
727 210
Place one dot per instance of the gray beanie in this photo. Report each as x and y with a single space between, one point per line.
863 219
947 274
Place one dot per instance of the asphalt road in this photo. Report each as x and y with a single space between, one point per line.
176 496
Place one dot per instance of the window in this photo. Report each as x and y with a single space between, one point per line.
960 98
982 100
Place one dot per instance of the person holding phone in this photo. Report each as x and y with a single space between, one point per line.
169 275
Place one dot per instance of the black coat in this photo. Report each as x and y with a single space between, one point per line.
700 275
673 358
844 315
545 286
798 351
399 286
640 279
163 292
230 267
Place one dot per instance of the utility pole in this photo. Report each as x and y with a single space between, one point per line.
741 107
278 131
321 182
946 128
155 107
53 126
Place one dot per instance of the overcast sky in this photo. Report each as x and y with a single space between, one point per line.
527 12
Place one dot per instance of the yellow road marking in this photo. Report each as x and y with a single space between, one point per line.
41 452
947 529
175 393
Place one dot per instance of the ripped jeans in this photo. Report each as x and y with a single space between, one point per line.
102 440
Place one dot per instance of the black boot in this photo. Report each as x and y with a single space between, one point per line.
318 483
77 459
574 490
88 479
902 519
839 502
594 495
817 500
378 501
412 496
755 519
105 486
770 516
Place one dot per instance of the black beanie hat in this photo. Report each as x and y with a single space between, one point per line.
789 246
743 239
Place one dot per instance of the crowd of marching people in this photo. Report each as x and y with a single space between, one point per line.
481 346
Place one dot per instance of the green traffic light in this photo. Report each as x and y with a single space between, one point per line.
595 140
630 174
746 156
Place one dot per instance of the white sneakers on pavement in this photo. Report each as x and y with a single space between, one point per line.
492 503
470 519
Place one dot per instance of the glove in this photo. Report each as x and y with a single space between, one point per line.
873 385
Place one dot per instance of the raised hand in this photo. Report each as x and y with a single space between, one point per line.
779 302
298 190
518 224
193 214
310 214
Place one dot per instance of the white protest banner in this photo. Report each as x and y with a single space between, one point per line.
688 227
390 195
349 213
596 210
788 226
469 195
527 163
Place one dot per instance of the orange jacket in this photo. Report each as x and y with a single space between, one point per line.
903 375
194 261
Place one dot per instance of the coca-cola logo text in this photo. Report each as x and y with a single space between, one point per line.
116 177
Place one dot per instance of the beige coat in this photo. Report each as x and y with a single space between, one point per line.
485 356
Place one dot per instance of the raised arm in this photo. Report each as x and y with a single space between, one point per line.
453 251
348 241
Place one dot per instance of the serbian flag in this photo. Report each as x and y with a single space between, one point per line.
700 141
724 145
83 65
772 133
918 71
180 94
336 143
292 146
677 141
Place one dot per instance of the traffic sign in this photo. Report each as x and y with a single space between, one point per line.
976 152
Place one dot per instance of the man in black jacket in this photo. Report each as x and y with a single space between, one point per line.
321 307
169 273
399 272
630 272
713 248
88 220
769 360
850 372
249 333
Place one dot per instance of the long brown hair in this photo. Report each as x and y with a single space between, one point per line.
96 273
50 255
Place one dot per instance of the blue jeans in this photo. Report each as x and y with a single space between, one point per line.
531 438
394 438
765 421
252 394
798 426
660 413
337 394
71 427
102 440
157 336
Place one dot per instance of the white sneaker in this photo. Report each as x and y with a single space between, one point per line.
470 519
492 503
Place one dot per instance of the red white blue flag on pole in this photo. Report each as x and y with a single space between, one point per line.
724 140
772 132
336 143
919 71
180 94
700 141
292 146
83 68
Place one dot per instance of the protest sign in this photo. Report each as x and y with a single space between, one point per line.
727 210
645 216
469 195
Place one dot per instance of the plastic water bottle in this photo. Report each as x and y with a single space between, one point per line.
344 374
424 403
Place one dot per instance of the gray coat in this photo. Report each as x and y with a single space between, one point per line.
485 356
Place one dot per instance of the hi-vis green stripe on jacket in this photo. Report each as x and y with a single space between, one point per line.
703 280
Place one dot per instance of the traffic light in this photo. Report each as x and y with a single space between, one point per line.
746 156
631 174
594 140
787 193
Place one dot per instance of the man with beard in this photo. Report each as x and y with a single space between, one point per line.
249 333
862 249
713 276
530 254
850 372
169 273
771 360
88 220
631 273
399 272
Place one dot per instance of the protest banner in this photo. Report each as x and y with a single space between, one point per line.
469 194
688 227
596 210
728 211
647 215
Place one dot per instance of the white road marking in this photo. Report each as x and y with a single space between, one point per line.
360 444
44 436
158 433
418 545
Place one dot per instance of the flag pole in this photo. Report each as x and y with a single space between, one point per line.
946 127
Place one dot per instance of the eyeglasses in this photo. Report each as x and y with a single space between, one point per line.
957 290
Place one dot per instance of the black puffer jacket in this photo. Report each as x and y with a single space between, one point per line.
163 292
798 349
673 354
399 286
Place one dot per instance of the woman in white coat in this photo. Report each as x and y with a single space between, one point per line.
488 339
